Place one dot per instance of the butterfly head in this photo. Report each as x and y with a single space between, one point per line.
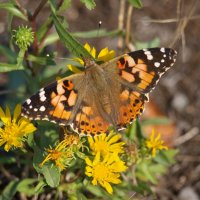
88 63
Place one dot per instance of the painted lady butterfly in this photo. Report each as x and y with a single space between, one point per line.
112 93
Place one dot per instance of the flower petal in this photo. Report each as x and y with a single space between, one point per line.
17 112
88 161
106 55
8 115
108 187
87 47
114 139
73 68
93 52
3 116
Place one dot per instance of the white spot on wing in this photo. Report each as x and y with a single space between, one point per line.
147 52
41 93
162 61
42 108
43 98
157 64
162 49
28 101
35 109
149 57
45 118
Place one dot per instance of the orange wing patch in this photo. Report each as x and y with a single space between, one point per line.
132 105
135 72
86 122
64 96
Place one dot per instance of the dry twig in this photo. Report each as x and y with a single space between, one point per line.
122 6
186 137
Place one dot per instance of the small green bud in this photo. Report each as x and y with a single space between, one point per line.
23 37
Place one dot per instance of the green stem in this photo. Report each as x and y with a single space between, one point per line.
20 58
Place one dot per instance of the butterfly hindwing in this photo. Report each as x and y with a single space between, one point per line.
131 106
88 122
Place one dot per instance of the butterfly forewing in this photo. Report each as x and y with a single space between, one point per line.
144 68
55 103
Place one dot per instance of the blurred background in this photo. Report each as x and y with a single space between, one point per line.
164 23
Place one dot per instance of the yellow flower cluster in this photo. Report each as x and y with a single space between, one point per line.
105 165
15 129
104 56
63 153
155 143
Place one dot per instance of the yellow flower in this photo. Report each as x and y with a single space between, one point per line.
15 129
155 143
71 139
63 152
106 144
105 170
104 56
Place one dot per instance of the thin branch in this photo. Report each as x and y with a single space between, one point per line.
178 9
188 158
172 20
183 23
122 6
187 136
128 29
21 8
7 174
38 9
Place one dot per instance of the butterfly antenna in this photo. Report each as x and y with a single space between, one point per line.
58 58
100 23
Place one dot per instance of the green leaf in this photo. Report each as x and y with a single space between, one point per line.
7 159
166 157
52 38
39 187
69 41
5 67
97 191
10 55
27 187
51 175
136 3
97 33
155 121
90 4
142 187
143 172
153 43
136 132
13 9
9 191
65 5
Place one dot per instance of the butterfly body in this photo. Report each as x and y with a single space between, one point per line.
112 93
